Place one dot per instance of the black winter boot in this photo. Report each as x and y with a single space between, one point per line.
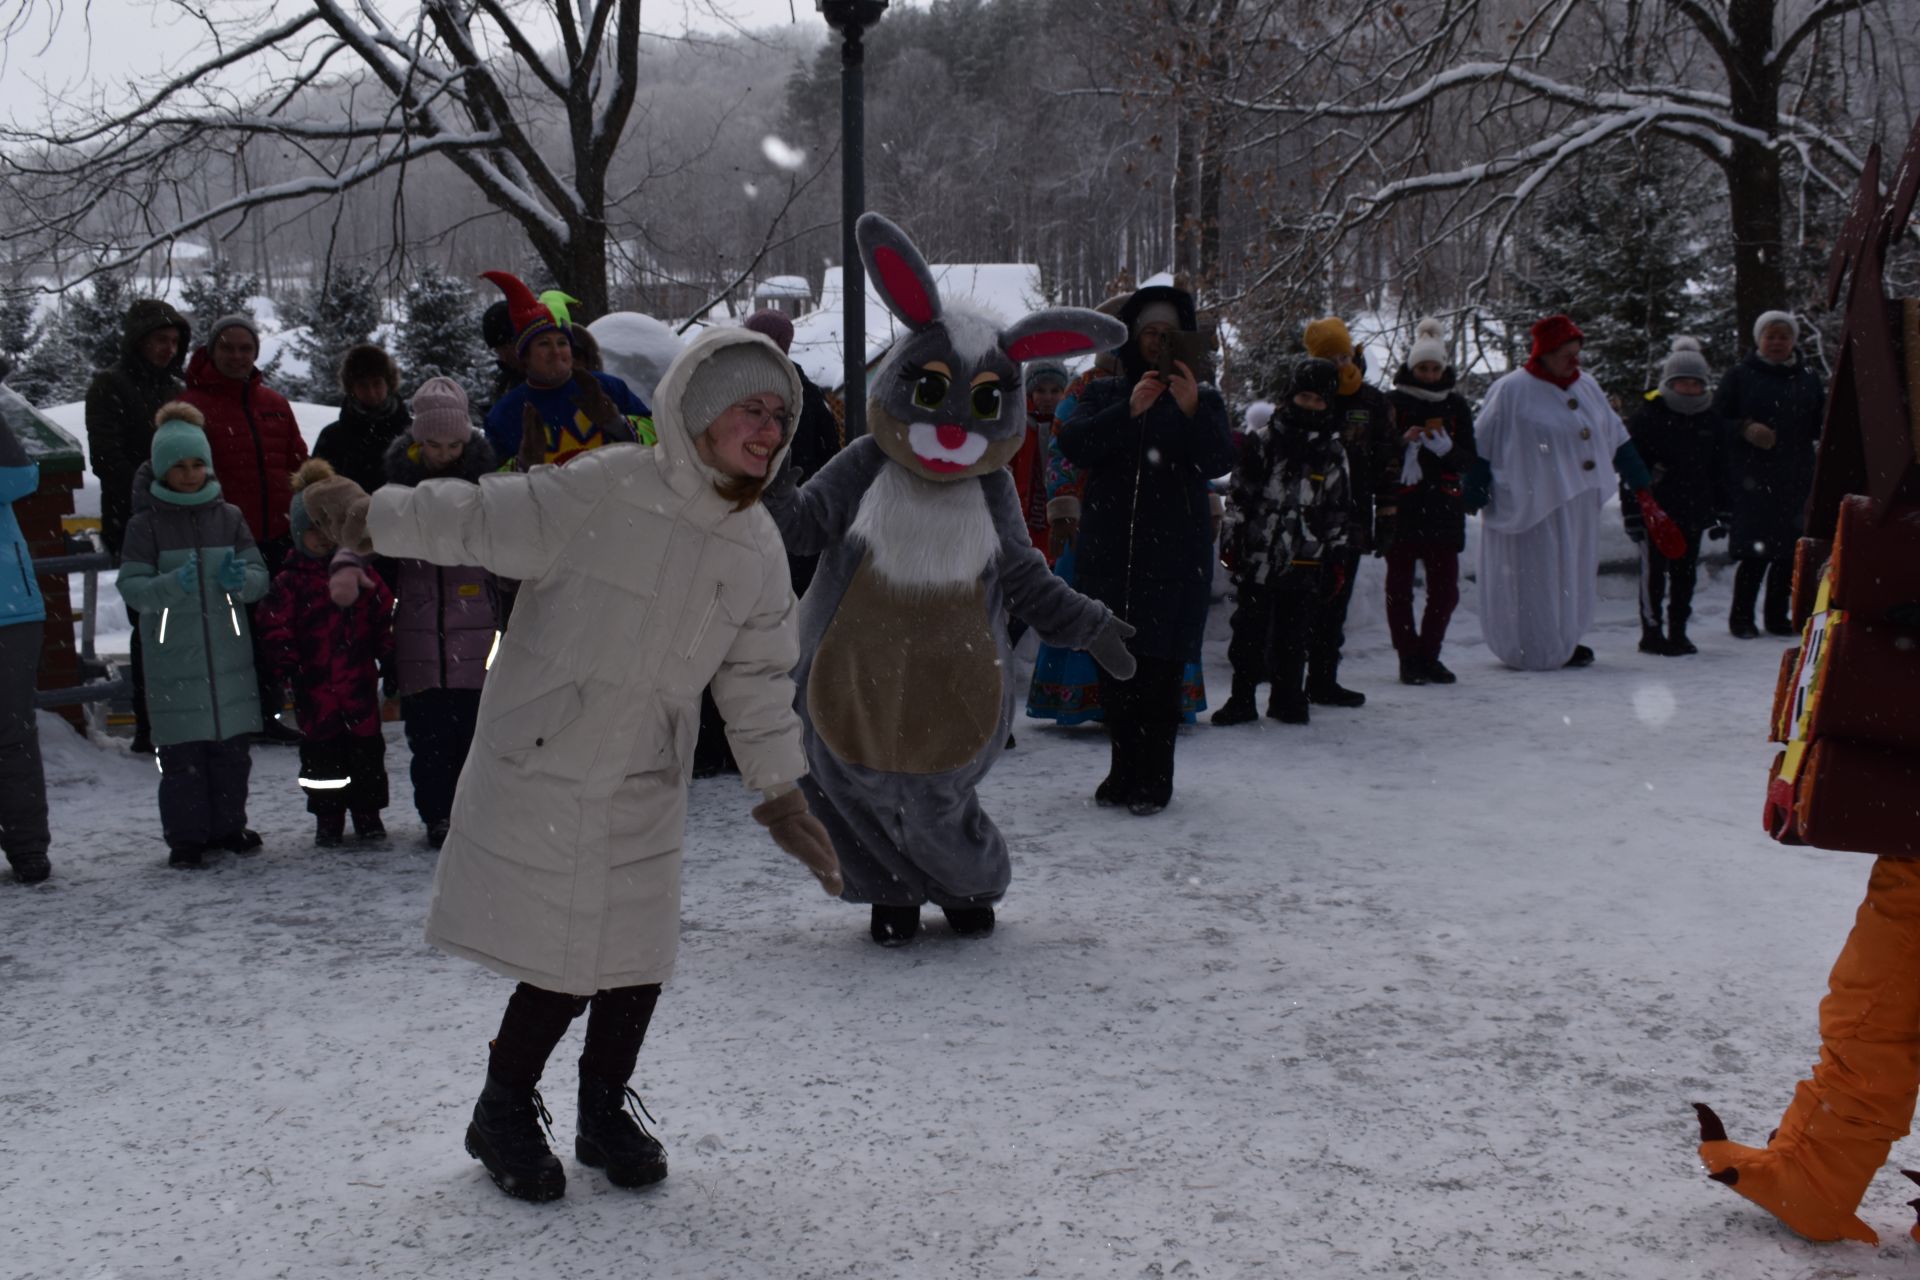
1678 646
970 922
1651 641
505 1137
1292 708
190 856
31 868
1413 670
1242 705
611 1137
1437 673
894 926
1334 694
1118 786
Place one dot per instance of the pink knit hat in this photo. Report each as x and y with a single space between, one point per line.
440 412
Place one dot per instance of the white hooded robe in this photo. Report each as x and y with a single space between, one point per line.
1551 451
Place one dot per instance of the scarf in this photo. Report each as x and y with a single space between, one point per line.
1539 370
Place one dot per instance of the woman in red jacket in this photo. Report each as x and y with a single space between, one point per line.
251 430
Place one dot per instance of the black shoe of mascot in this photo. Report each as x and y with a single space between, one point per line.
970 922
505 1137
610 1137
894 926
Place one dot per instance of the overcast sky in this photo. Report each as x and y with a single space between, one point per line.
70 46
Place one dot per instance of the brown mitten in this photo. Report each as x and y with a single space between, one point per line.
798 832
533 439
1759 435
591 399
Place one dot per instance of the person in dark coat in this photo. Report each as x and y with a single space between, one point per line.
1149 445
1684 444
1429 527
1373 460
496 330
371 418
121 402
1773 401
447 615
1293 507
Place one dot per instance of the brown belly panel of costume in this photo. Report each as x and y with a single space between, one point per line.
906 683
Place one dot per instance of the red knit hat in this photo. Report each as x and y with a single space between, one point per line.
1553 333
530 316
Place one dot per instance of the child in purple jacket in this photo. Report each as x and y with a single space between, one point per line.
444 629
327 625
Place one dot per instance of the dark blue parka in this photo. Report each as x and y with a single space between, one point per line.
1769 487
1146 531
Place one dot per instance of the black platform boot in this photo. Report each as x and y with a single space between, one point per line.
1242 705
611 1137
505 1137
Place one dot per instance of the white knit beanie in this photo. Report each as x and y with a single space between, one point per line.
1429 343
1768 319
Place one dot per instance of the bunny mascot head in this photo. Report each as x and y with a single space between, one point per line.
947 402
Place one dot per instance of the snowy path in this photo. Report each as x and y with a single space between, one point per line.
1422 989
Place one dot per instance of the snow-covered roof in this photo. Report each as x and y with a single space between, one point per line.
784 287
1009 289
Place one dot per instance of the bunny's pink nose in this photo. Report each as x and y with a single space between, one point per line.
952 435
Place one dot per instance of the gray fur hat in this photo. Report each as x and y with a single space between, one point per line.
1768 319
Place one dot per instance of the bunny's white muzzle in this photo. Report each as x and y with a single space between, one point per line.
945 447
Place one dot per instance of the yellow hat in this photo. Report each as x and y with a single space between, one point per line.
1328 339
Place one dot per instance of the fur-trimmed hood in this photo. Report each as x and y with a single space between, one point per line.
403 464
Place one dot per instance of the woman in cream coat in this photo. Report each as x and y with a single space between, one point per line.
646 574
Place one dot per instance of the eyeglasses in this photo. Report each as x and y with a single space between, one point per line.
759 414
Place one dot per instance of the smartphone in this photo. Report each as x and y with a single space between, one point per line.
1192 348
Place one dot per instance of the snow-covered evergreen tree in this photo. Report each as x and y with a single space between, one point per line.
440 335
83 335
1628 248
218 291
16 325
341 313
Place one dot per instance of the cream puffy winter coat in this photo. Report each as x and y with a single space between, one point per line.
639 585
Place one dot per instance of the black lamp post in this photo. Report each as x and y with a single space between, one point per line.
851 18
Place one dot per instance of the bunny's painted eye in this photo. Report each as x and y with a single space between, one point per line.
930 391
986 400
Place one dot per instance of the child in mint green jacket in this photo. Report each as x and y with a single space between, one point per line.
189 568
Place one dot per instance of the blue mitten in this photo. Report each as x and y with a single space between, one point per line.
187 576
233 574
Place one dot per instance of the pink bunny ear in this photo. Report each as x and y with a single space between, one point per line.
1061 331
900 275
901 284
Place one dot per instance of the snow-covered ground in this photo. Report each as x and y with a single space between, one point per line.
1422 989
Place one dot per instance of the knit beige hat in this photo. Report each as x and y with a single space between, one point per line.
731 373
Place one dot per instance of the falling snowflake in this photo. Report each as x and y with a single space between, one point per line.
1654 704
782 154
752 189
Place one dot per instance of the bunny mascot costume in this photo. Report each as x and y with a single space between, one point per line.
904 680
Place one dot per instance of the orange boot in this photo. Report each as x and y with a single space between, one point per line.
1836 1134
